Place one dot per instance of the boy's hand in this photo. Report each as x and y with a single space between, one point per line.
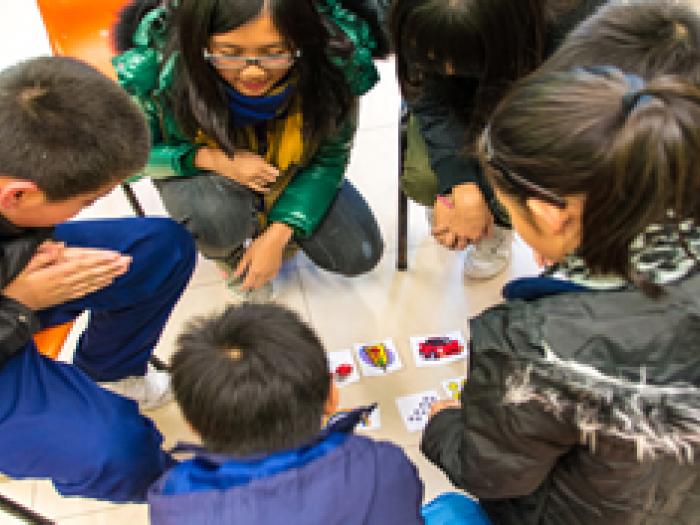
437 406
262 260
461 218
57 274
245 167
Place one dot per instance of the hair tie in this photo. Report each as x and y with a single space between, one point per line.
635 97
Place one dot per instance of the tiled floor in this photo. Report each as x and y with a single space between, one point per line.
430 297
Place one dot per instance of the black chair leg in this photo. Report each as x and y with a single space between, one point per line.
133 201
23 513
402 258
402 233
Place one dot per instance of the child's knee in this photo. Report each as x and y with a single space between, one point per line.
166 233
117 462
362 260
173 242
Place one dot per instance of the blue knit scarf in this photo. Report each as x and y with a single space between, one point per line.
248 111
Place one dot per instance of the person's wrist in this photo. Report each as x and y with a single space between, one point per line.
466 189
11 293
281 231
210 159
204 158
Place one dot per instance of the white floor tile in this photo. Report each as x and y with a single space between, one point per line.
19 491
124 514
380 107
52 505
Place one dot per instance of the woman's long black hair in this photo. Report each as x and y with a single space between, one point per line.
198 96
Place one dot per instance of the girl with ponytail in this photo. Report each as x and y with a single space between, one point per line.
583 399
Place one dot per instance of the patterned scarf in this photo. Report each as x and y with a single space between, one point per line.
279 115
659 255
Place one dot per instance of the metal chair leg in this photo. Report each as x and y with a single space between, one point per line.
402 233
23 513
133 201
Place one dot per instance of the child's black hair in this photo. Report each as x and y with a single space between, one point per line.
645 37
68 128
253 379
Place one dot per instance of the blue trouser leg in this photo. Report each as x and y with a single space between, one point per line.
55 421
128 316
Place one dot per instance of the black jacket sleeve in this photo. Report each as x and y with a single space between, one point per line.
17 324
492 449
444 134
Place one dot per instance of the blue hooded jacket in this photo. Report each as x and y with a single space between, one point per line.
338 478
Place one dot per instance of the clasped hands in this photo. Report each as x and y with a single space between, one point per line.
462 217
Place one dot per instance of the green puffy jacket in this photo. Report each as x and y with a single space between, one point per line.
145 74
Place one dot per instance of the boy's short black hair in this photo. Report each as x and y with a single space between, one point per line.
645 37
253 379
68 128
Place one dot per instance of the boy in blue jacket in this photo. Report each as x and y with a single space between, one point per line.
254 383
68 136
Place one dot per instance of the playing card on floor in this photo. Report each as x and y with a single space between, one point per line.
453 387
438 349
414 409
343 368
378 359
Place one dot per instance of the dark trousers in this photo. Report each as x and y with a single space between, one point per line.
221 215
55 421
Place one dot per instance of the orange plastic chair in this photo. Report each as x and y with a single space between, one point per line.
81 29
49 341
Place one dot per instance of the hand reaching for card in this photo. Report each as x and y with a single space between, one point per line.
437 406
461 218
57 274
263 259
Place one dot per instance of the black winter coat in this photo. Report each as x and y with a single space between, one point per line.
17 322
580 408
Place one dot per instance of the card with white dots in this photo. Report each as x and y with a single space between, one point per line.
415 408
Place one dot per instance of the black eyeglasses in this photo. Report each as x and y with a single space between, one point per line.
518 180
275 61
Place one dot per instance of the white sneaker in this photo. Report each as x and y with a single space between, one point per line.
490 256
150 391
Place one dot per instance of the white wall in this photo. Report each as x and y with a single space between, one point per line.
22 32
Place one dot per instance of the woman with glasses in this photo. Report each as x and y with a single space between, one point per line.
455 60
253 109
583 399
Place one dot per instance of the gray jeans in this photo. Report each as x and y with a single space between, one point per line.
221 215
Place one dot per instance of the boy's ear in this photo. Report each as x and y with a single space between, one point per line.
553 218
333 401
14 192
